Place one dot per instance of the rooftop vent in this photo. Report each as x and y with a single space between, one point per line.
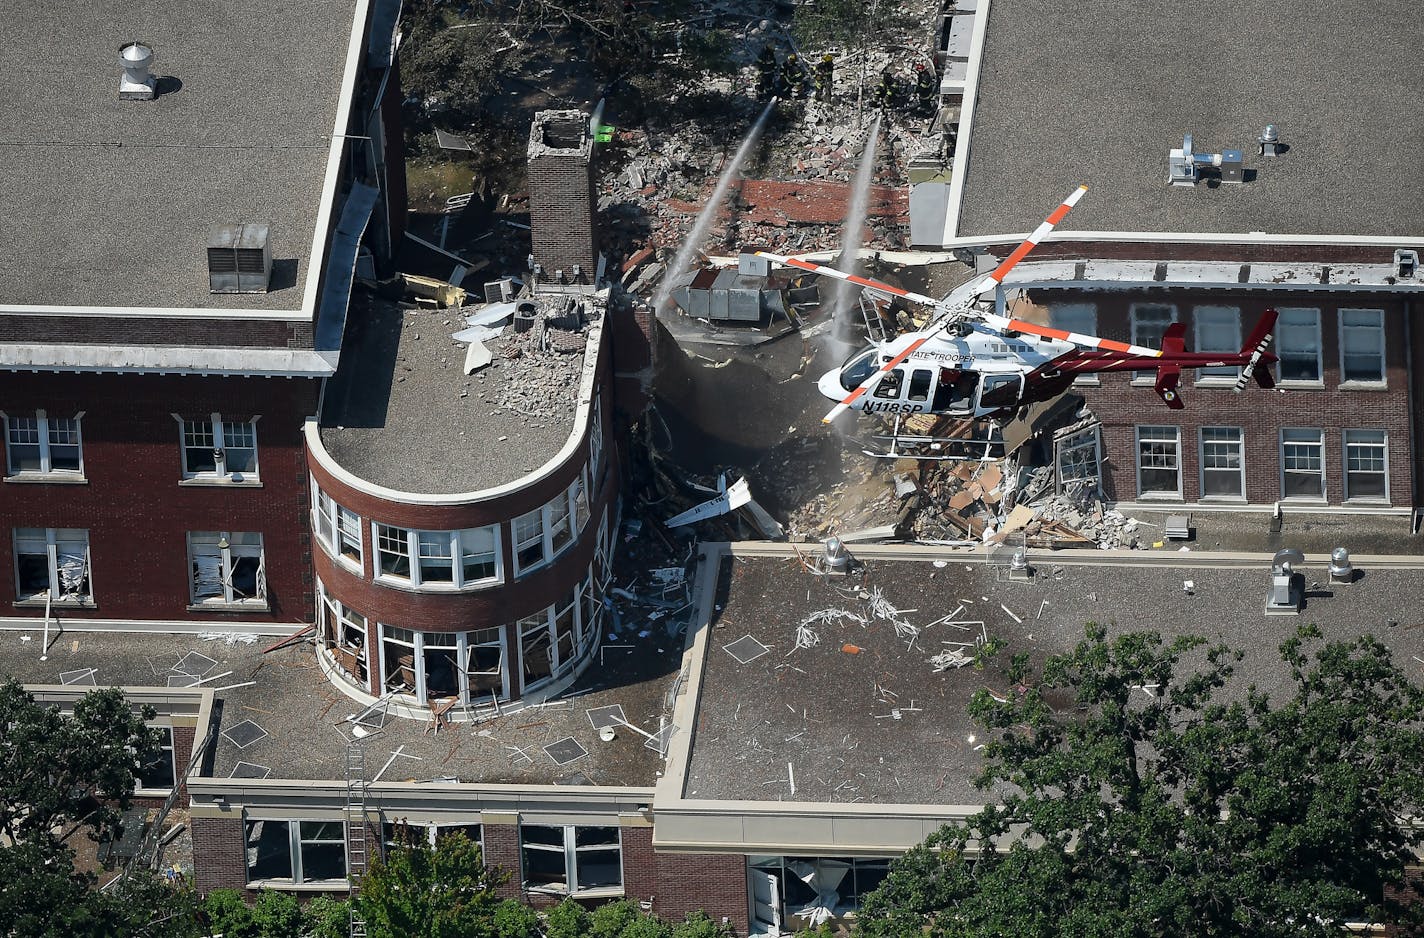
1184 165
239 259
136 84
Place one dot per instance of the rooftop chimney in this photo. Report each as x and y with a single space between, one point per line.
136 84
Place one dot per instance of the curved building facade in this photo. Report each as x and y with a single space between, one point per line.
465 601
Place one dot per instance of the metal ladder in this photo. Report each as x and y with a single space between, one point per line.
356 829
874 325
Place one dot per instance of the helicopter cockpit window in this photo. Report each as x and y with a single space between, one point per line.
920 380
857 368
955 393
889 385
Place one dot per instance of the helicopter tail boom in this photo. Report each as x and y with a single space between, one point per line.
1256 355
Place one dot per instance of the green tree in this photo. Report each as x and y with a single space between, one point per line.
1155 800
849 24
514 919
568 919
62 773
444 891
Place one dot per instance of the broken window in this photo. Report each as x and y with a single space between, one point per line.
484 663
295 851
401 833
1218 329
344 634
535 649
218 449
1149 325
435 553
568 859
1366 464
160 774
439 657
578 497
1079 459
792 893
566 641
398 659
1222 465
560 527
889 386
1362 345
43 444
226 568
52 563
595 439
1298 345
337 528
1302 463
1159 463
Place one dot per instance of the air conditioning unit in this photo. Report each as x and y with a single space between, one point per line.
239 259
498 291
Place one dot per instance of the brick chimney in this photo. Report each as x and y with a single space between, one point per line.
562 202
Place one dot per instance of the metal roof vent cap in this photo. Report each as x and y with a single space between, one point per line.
137 84
837 559
1341 570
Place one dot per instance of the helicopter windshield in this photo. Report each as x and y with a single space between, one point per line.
857 368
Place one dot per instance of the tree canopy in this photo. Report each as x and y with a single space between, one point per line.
1137 792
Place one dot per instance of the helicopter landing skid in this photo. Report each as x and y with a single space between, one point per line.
938 448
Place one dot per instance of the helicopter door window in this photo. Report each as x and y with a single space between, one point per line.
955 393
889 385
920 380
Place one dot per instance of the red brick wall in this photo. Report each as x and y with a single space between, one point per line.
501 849
562 212
219 856
135 511
1260 414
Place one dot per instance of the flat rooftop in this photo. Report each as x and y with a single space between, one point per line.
882 726
402 413
1097 93
108 203
302 717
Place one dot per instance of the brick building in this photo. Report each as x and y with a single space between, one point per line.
1285 219
153 402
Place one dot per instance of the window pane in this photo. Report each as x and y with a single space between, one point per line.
436 564
198 442
269 851
1149 324
349 525
545 868
323 861
1365 464
535 651
599 869
1298 344
159 773
245 578
324 527
471 831
394 551
477 554
595 836
207 572
240 447
560 533
529 538
72 565
548 836
1218 329
33 573
63 444
1361 345
1157 459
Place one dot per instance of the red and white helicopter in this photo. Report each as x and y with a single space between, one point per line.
968 362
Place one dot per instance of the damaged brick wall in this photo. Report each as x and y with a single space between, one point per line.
562 202
219 854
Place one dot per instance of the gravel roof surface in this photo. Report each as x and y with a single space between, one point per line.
830 713
402 413
1097 92
109 202
303 714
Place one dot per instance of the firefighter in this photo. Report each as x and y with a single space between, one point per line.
793 76
926 86
885 91
825 69
766 71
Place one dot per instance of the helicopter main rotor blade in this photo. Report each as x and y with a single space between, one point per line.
848 278
996 277
1000 324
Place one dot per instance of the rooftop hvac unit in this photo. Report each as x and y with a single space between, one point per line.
239 259
498 291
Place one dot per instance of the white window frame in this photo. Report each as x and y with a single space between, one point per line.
1202 466
1088 313
238 546
1087 438
570 851
1319 380
1137 459
417 663
1147 376
1383 444
467 644
340 615
294 846
1324 476
455 540
165 749
566 501
1383 379
220 474
1200 317
337 527
595 439
43 431
52 539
